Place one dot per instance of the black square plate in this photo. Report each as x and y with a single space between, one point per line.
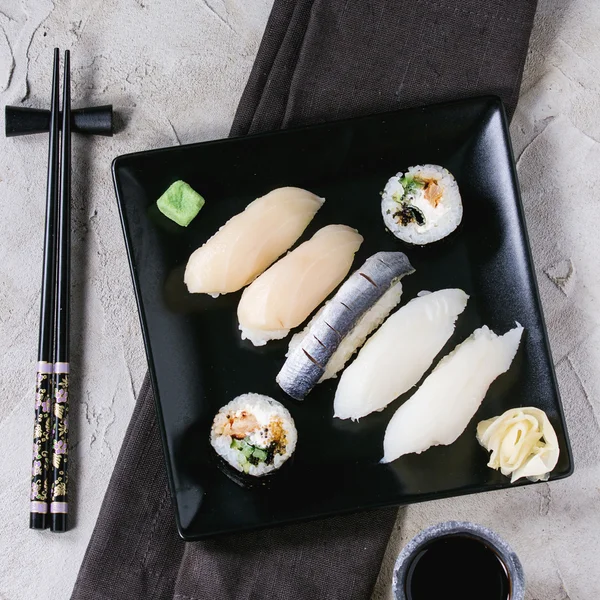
198 362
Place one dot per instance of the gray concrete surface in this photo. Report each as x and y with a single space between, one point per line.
176 75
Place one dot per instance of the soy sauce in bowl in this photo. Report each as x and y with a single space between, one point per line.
457 566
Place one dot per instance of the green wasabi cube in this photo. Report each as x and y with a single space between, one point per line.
180 203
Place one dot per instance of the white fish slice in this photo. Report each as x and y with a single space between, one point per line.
251 241
398 354
442 407
291 289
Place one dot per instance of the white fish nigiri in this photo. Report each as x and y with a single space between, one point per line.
286 293
440 410
251 241
398 354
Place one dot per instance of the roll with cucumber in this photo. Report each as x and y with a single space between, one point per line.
254 434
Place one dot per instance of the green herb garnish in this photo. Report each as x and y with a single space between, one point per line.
411 185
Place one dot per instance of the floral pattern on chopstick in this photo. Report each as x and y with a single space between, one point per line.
41 437
60 445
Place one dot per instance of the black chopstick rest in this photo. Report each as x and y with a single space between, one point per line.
96 120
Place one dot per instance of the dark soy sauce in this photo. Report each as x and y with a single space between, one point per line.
457 566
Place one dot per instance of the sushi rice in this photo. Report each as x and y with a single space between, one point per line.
422 205
370 321
373 318
254 434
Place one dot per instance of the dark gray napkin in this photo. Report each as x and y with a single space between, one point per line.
329 59
319 60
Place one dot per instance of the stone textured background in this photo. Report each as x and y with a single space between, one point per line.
175 76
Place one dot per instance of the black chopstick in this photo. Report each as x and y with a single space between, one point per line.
41 435
60 424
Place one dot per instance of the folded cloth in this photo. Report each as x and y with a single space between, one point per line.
329 59
319 60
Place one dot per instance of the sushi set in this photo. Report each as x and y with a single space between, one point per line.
341 317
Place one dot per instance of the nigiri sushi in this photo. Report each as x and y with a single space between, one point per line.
398 354
286 293
422 205
440 410
362 303
251 241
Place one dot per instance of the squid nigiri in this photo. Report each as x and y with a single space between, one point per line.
251 241
398 354
440 410
286 293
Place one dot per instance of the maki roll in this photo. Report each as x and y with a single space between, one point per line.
422 205
254 434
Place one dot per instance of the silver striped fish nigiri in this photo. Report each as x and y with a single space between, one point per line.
343 324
